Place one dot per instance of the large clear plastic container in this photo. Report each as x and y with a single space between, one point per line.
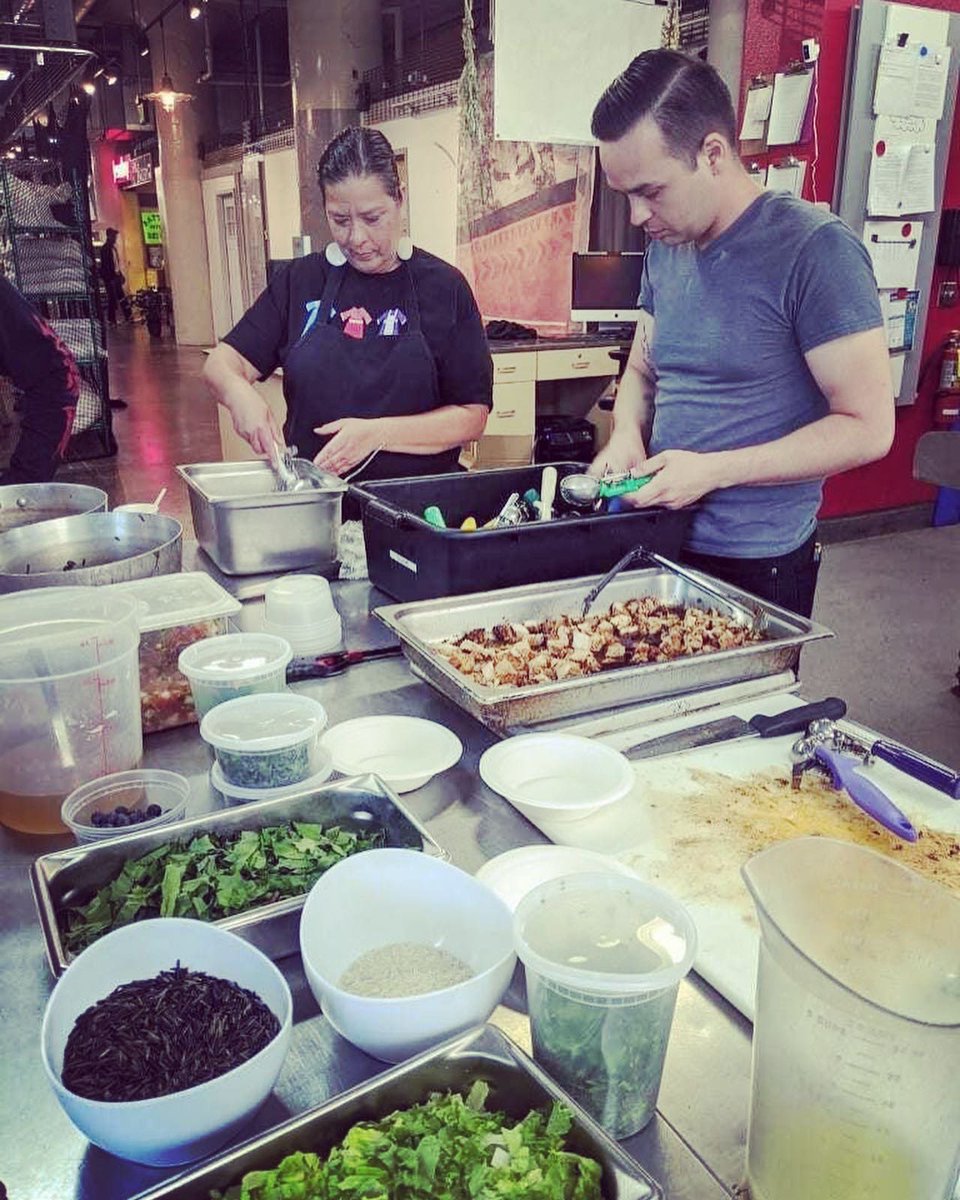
856 1042
69 698
175 611
604 955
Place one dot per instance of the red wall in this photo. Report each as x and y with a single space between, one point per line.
773 32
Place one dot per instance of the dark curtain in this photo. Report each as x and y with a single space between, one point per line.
610 227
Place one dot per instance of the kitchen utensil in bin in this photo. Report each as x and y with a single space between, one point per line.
586 491
856 1039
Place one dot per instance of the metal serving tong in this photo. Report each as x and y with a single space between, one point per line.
755 617
284 468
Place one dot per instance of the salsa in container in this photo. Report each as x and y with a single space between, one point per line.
175 611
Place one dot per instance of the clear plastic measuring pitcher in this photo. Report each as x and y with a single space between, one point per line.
69 698
856 1045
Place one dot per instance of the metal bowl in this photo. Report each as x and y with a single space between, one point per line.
28 503
91 549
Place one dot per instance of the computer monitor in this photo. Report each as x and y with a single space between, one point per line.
606 285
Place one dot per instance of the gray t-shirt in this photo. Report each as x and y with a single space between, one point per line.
732 323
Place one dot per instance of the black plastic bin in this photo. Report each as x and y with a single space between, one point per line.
410 559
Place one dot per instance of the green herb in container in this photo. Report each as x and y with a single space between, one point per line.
265 741
604 955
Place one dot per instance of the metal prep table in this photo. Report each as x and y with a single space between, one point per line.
694 1146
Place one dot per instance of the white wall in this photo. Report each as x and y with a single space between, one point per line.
282 200
431 142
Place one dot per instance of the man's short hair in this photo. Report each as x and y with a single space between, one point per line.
685 97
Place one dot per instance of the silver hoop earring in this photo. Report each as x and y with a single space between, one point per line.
405 249
334 255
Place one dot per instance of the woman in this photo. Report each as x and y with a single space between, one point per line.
382 346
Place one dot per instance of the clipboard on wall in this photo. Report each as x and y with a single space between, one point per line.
756 114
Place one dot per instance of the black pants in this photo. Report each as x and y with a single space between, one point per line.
113 285
789 580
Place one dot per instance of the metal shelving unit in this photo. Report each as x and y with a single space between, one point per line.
46 251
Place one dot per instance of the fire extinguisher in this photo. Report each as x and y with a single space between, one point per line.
946 402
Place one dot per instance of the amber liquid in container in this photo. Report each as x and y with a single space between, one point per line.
31 814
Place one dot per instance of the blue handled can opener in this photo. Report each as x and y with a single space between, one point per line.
827 750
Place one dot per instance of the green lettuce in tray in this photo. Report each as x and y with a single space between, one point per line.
448 1148
213 876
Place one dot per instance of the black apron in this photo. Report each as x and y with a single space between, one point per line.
331 375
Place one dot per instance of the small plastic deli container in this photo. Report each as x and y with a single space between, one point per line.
174 612
233 794
604 955
269 741
136 791
235 665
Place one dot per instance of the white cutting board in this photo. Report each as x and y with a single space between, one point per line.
713 890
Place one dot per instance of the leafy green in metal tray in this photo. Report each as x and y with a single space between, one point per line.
449 1147
213 876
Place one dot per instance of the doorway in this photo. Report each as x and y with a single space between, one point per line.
230 253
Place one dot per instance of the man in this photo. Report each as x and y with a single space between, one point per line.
759 364
112 277
40 365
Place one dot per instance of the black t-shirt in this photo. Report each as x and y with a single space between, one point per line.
450 321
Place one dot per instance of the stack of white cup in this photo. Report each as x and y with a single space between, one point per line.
300 608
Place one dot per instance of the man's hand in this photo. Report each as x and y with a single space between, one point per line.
680 477
255 422
354 439
621 453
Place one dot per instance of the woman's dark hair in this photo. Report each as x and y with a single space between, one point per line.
685 97
359 151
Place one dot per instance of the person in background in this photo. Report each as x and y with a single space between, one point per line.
381 344
113 279
759 364
43 369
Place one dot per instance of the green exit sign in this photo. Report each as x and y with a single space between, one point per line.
152 228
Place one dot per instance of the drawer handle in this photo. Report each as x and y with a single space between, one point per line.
580 366
506 370
505 412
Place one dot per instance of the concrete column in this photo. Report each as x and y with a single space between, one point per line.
331 45
725 43
180 193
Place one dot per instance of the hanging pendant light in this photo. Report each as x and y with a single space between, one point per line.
167 95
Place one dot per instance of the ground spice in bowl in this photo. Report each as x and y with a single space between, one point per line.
403 969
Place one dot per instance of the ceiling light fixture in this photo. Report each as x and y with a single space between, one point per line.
111 78
89 86
167 95
196 12
5 74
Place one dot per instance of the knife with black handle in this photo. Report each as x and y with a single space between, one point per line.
794 720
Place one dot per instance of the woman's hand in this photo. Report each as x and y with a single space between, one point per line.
622 453
254 421
354 439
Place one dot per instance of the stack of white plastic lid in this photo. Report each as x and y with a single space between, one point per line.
300 608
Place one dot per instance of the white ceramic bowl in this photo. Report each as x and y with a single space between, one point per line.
382 897
188 1125
556 776
406 752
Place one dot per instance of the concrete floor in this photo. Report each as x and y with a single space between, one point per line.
893 601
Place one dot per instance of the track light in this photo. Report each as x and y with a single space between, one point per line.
5 74
89 87
111 79
145 48
196 11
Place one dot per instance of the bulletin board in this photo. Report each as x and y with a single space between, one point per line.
553 59
903 243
